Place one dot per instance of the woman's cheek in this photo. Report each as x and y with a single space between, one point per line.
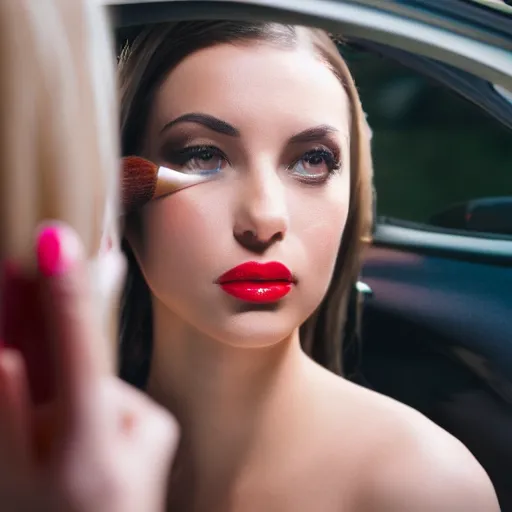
320 222
182 231
323 242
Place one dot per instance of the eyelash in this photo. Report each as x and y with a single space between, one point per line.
331 158
185 155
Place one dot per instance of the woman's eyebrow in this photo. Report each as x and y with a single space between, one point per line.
210 122
313 134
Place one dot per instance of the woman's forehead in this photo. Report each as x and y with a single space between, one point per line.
254 81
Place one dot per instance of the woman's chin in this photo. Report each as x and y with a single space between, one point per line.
254 329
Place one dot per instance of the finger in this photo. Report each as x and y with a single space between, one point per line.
22 329
15 428
70 322
143 419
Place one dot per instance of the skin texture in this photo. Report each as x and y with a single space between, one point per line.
264 427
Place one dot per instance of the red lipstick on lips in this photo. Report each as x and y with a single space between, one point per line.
257 282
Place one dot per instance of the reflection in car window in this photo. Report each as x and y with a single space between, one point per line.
432 149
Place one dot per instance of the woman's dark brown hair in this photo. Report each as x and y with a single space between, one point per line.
144 65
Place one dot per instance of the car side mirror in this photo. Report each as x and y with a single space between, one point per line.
487 215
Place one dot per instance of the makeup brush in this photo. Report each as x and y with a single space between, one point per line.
143 181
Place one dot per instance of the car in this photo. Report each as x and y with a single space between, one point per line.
430 320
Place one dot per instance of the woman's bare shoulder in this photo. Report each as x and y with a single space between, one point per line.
409 463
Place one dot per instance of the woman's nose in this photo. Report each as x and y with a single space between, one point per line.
262 217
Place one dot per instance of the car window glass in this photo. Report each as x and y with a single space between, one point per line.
438 157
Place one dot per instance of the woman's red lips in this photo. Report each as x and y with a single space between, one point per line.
257 282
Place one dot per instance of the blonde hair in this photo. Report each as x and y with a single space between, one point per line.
144 64
58 123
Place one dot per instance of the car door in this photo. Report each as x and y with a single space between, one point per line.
436 328
437 331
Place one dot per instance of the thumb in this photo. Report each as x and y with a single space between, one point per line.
75 340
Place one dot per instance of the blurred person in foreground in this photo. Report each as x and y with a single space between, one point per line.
73 437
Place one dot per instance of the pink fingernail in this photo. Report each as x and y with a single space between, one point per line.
52 257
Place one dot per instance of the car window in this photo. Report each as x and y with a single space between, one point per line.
438 158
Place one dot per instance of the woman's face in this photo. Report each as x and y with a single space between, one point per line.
273 127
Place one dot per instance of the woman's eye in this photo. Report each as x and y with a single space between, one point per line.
315 166
198 160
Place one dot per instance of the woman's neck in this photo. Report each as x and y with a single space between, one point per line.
231 401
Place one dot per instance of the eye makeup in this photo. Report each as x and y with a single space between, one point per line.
316 165
199 159
311 157
321 157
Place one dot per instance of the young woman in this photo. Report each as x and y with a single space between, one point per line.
237 287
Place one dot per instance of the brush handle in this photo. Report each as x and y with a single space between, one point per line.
169 181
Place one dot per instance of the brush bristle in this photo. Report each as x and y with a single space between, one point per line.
138 182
